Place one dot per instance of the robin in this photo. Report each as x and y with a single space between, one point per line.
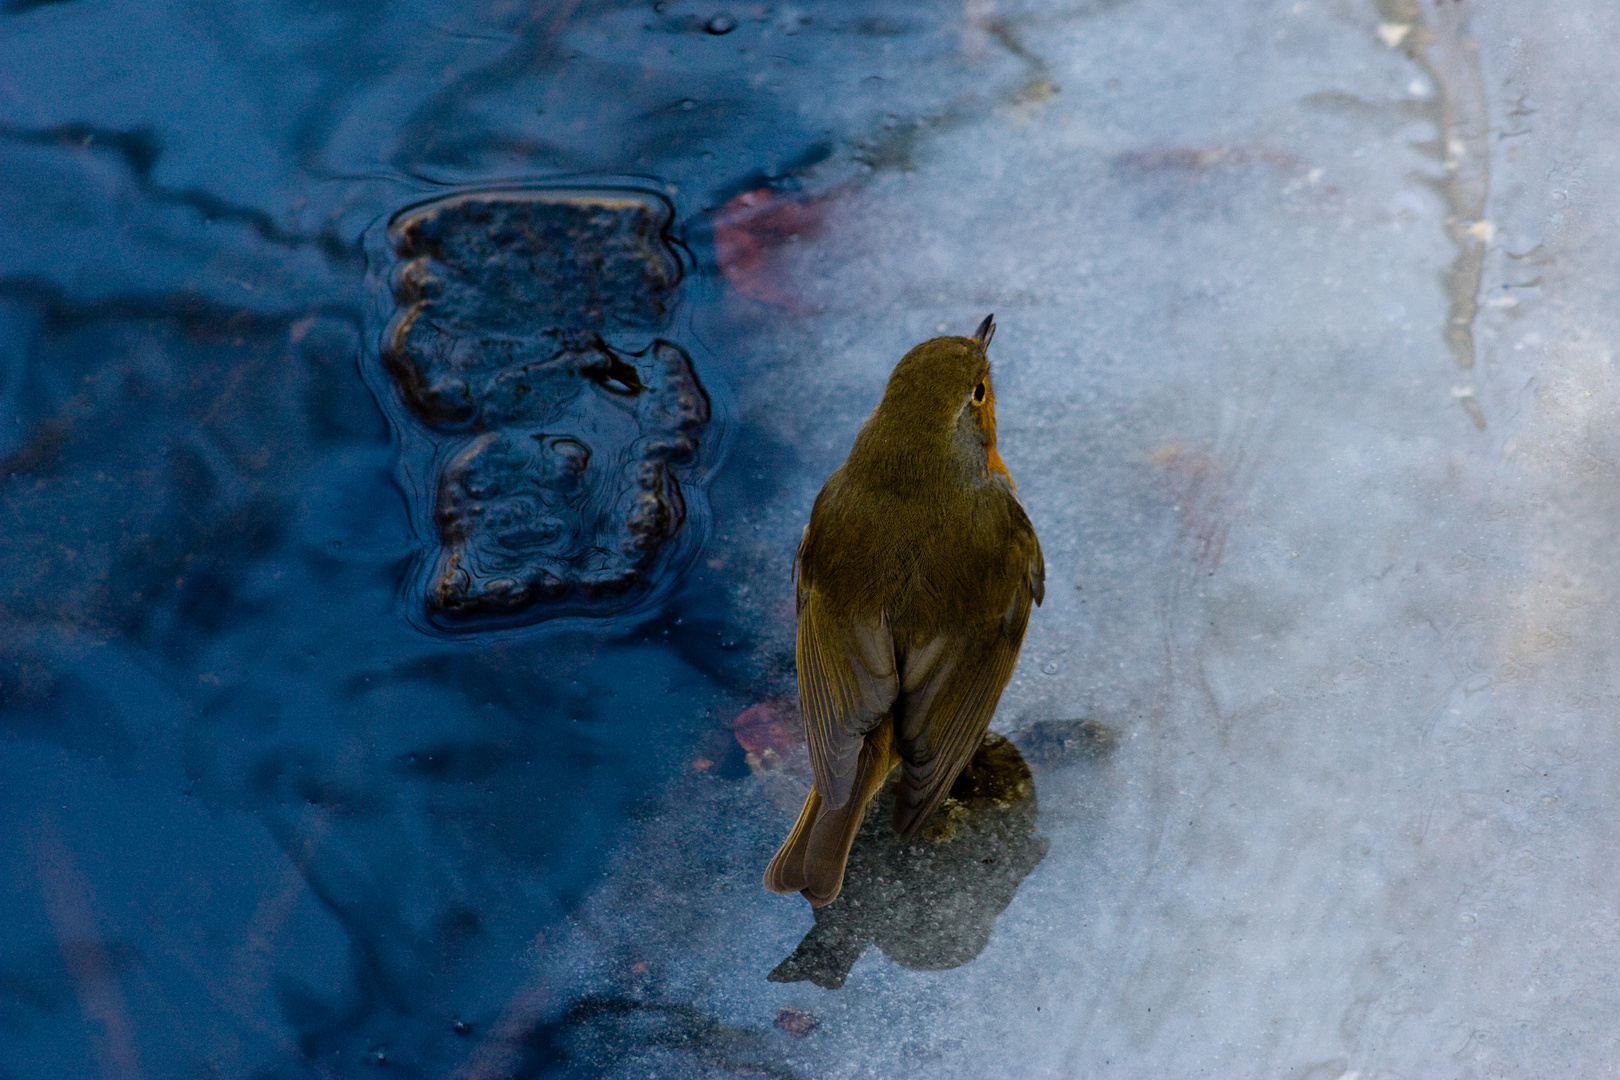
915 579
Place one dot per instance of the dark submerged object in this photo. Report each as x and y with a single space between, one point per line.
563 449
1050 743
931 903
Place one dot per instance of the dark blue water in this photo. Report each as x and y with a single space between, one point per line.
262 816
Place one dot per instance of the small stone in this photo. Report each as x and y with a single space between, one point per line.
720 24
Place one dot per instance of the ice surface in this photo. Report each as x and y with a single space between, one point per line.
1340 594
1303 370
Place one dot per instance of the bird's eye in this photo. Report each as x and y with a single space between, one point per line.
978 393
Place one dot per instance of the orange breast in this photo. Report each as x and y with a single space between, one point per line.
986 415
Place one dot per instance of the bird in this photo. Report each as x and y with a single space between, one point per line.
914 581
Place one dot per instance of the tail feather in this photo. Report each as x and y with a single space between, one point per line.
785 874
812 859
913 808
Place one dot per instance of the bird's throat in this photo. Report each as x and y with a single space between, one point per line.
993 459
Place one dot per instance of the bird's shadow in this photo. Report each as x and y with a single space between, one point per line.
931 904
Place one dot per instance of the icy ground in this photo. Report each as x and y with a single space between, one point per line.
1341 585
1304 373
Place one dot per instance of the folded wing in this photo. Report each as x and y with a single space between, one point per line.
848 681
949 690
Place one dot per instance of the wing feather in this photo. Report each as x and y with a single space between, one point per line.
1037 562
939 727
848 682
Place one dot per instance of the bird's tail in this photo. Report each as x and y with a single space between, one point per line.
811 860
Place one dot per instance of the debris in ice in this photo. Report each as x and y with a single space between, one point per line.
749 230
796 1022
1047 744
562 487
768 732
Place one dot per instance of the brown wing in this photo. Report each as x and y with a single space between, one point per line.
848 681
949 690
1037 561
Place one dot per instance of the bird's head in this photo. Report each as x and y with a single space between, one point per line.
939 407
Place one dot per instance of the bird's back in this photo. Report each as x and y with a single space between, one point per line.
928 561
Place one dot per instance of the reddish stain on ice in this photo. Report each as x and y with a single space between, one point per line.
748 233
768 732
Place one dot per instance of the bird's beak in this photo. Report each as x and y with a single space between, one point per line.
985 332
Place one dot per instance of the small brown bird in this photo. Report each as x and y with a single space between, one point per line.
915 579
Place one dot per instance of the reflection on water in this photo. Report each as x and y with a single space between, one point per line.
932 903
